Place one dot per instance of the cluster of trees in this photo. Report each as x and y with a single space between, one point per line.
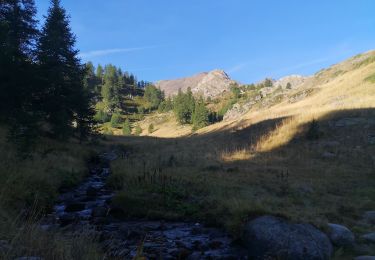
41 77
111 86
191 110
153 96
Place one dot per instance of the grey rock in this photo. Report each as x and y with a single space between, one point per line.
364 257
270 236
369 217
92 191
67 219
370 237
4 246
100 212
371 138
328 155
340 235
75 206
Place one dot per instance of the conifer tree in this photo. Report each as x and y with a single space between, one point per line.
18 86
65 99
200 115
184 106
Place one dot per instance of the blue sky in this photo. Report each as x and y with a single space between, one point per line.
250 39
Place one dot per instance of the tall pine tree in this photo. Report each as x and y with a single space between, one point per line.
200 115
19 96
66 102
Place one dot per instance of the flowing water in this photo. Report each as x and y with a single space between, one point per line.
88 208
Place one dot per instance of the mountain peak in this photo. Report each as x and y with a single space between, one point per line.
208 84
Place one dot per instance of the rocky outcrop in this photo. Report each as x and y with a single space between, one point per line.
291 81
369 217
237 111
340 235
209 84
370 237
271 237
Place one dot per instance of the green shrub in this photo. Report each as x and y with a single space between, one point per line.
138 130
151 129
101 117
371 78
126 128
115 119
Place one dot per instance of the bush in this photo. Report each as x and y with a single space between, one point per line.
141 110
138 130
101 117
151 129
126 128
115 119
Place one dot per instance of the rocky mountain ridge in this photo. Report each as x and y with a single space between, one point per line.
209 84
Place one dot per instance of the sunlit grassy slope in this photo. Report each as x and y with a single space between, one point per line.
263 163
346 85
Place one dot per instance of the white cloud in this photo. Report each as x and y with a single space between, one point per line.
105 52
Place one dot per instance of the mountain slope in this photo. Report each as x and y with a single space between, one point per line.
209 84
345 85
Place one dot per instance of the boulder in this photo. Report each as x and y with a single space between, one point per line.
4 246
371 138
369 217
340 235
370 237
270 236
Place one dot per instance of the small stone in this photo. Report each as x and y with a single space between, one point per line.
99 212
340 235
72 207
370 237
92 191
215 244
328 155
67 219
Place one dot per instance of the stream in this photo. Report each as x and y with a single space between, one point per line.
87 208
